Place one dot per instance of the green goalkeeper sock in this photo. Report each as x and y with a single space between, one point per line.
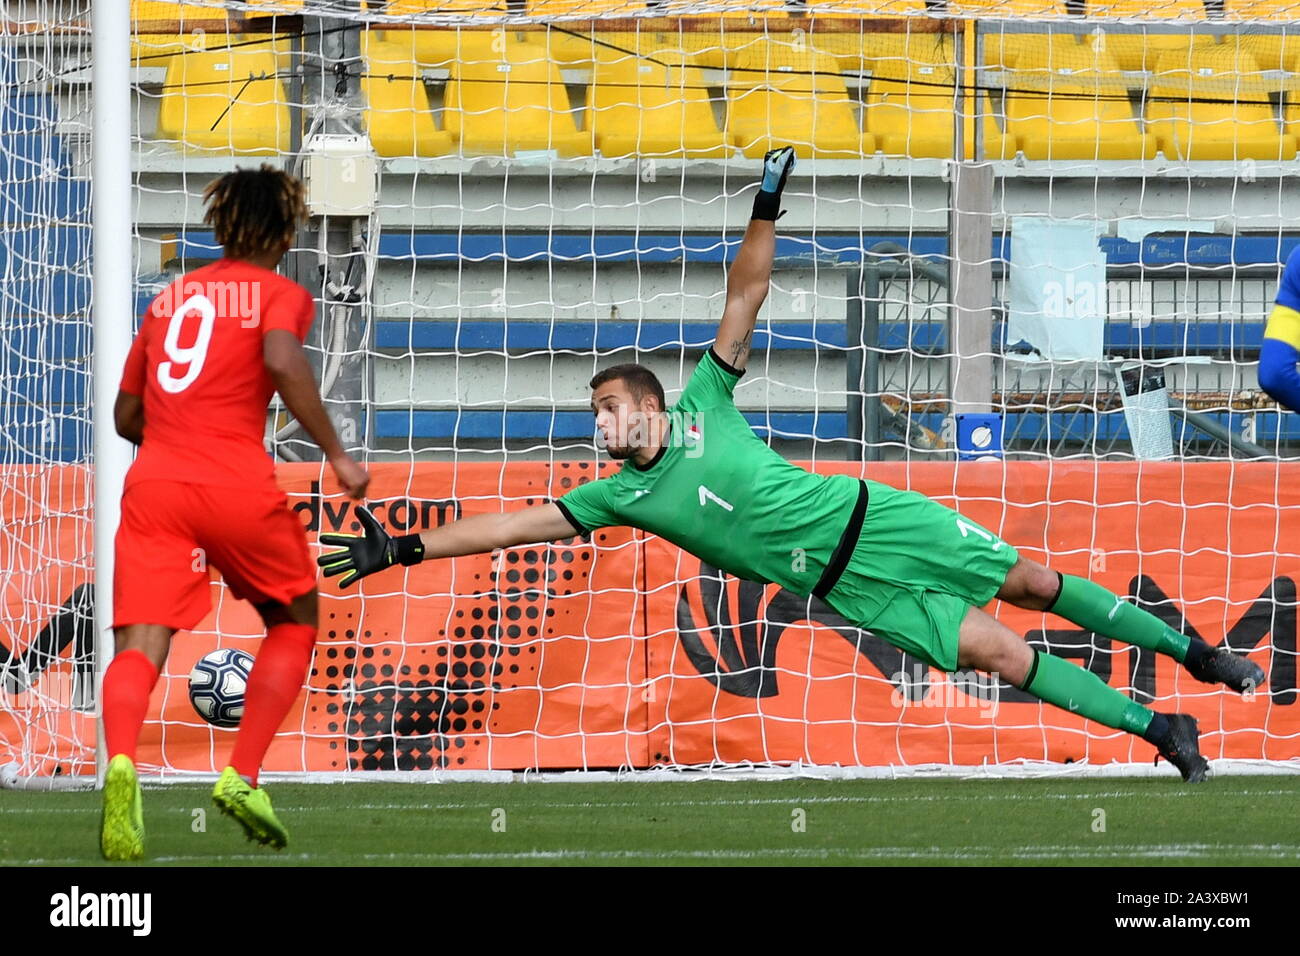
1094 608
1080 691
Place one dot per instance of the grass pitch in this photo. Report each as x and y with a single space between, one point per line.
1228 821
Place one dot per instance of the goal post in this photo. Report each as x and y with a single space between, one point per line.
1025 267
113 302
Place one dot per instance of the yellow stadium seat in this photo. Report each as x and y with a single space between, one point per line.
583 8
276 7
728 27
1008 9
802 103
1275 51
1275 10
1141 50
848 42
514 103
440 47
858 9
1071 103
575 46
147 10
909 107
153 48
1004 49
226 100
639 108
398 115
1206 109
459 7
570 43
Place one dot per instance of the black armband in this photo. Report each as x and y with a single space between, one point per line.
408 549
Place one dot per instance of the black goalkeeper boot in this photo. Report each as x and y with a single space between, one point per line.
1181 747
1218 665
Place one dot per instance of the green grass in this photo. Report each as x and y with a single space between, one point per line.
1228 821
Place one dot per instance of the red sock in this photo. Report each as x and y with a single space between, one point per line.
273 686
128 682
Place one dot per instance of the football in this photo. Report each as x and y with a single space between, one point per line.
217 686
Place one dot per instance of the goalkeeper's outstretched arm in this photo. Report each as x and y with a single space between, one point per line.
751 273
375 549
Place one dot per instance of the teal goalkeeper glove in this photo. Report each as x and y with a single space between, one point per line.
367 553
776 170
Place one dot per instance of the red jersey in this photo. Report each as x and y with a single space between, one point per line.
197 362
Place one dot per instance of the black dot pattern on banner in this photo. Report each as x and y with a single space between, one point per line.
419 705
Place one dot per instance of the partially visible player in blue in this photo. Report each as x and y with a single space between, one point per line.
1281 349
910 570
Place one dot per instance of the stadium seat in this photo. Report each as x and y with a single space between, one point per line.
1008 9
858 9
153 47
183 20
275 7
516 102
1275 51
572 43
471 8
147 11
581 47
854 48
1071 103
727 28
1205 109
399 117
226 100
909 108
1139 50
1002 50
581 8
639 108
441 48
800 100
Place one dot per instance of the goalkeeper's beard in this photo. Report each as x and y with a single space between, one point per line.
622 452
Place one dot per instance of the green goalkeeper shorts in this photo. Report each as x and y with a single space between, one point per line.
917 568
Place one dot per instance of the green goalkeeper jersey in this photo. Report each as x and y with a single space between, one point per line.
716 490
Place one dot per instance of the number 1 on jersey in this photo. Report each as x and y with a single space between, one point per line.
968 529
706 494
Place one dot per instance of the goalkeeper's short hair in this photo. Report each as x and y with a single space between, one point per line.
640 381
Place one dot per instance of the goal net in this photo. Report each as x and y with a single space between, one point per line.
1029 251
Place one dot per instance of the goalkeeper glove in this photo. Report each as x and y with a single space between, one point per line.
367 553
776 170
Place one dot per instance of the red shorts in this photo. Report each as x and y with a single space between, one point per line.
171 533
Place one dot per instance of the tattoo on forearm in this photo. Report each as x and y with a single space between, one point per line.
740 348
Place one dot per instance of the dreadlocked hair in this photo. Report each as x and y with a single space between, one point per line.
254 211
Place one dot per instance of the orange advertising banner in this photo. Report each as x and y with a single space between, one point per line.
625 652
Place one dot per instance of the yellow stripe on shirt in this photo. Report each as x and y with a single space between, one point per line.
1284 324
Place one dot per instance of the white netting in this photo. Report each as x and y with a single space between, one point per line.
561 185
46 548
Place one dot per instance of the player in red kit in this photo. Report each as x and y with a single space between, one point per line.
211 351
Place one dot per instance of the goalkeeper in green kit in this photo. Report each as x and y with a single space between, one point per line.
908 569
